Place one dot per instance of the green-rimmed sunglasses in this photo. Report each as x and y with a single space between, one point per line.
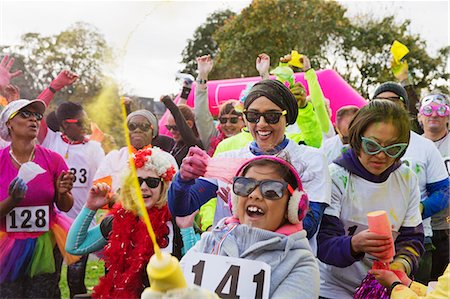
371 147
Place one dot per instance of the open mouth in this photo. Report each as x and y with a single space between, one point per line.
264 134
254 211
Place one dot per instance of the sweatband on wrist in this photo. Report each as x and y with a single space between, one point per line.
185 92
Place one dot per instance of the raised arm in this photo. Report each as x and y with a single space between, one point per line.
263 65
64 78
5 71
203 117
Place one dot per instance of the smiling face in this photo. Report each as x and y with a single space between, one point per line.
231 129
21 127
384 134
434 123
267 136
140 138
256 211
150 195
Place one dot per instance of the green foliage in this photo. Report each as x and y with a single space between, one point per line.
94 270
357 48
202 42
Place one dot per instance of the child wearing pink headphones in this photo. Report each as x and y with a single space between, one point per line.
268 204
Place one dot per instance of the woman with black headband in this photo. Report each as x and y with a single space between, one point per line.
268 109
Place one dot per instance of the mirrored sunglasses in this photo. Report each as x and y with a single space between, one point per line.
270 189
151 182
436 98
233 120
271 117
371 147
27 114
144 127
441 110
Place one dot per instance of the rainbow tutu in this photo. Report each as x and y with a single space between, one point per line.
32 253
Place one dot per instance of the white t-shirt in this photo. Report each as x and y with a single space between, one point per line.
352 197
333 148
83 159
330 134
309 162
426 162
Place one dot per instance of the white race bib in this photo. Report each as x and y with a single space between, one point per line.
28 219
81 177
228 277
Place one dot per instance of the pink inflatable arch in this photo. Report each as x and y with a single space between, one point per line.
334 87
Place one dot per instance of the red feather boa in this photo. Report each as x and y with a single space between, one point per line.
128 251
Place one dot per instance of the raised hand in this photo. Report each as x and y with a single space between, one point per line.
64 183
98 196
306 63
17 189
204 66
186 221
5 68
194 164
263 65
223 193
64 78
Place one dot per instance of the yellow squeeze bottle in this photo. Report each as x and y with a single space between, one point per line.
164 273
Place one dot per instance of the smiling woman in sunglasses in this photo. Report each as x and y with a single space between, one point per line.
31 229
268 206
129 247
366 178
269 108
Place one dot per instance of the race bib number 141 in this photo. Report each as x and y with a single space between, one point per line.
28 219
226 276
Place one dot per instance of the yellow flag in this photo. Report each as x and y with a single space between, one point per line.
398 51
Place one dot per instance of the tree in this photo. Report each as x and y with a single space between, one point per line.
202 42
81 48
358 49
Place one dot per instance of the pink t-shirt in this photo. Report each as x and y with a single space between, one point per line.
41 190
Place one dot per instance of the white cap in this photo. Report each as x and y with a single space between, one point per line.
14 107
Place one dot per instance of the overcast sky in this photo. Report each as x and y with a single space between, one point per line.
157 31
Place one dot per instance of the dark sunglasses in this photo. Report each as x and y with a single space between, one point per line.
272 117
144 127
28 114
171 128
270 189
151 182
371 147
233 120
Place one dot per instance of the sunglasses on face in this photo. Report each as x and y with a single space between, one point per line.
441 110
272 117
171 128
151 182
371 147
233 120
270 189
144 127
27 114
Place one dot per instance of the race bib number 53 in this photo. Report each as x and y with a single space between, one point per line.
28 219
226 276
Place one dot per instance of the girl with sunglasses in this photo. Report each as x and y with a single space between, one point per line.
366 178
129 247
32 230
230 121
268 109
268 205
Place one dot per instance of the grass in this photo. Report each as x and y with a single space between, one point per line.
94 270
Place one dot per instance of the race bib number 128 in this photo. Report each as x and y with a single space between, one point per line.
28 219
226 276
